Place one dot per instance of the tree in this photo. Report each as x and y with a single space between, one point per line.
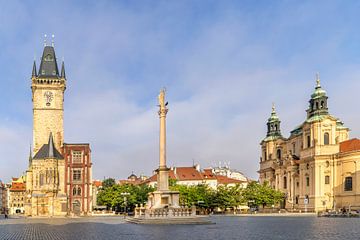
109 182
120 196
262 194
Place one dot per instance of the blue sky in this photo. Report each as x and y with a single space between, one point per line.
223 64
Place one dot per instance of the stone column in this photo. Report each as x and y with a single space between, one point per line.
163 174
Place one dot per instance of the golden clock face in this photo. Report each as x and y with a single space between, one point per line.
49 96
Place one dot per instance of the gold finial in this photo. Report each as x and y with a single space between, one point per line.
52 40
45 40
318 80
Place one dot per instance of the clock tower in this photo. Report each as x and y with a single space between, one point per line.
48 87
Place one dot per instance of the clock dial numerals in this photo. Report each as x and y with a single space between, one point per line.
49 96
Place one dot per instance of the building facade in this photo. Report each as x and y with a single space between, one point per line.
78 177
317 166
48 182
17 196
3 198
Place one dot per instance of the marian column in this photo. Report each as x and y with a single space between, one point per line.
163 177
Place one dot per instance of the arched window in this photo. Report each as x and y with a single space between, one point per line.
278 154
79 191
348 184
276 127
74 191
285 182
326 138
317 105
322 104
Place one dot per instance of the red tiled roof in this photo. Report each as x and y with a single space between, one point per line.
97 183
227 180
350 145
187 173
208 174
17 187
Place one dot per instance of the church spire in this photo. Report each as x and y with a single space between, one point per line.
34 74
48 65
273 124
62 70
30 156
318 101
51 146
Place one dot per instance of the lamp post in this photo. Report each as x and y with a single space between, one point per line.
124 194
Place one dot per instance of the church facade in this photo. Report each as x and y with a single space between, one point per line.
50 171
317 166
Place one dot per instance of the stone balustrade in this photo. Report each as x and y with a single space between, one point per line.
180 212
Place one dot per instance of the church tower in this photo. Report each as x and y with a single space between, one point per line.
273 125
48 87
318 101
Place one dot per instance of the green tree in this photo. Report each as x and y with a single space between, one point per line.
109 182
262 194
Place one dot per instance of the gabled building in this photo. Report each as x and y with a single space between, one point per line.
17 196
317 165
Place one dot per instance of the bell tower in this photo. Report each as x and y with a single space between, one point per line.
318 102
273 125
48 87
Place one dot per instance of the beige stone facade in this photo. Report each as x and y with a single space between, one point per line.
48 111
45 185
317 166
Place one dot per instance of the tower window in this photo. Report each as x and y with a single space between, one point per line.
348 184
307 181
327 179
278 153
76 156
308 141
317 105
322 104
265 157
77 175
326 138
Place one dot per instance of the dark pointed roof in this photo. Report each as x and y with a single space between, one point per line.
48 65
62 70
48 151
34 74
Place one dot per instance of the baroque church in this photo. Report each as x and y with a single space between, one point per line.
317 166
59 176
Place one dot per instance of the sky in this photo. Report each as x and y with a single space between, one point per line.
223 64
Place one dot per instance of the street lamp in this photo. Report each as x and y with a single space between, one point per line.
124 194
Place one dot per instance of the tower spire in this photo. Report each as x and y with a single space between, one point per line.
273 124
30 156
318 101
318 80
51 146
62 70
34 73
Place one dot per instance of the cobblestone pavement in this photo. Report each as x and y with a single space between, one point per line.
259 228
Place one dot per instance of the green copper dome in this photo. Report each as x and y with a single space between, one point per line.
319 92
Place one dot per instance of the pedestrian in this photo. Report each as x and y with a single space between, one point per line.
6 215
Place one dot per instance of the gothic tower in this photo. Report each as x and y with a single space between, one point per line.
48 87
